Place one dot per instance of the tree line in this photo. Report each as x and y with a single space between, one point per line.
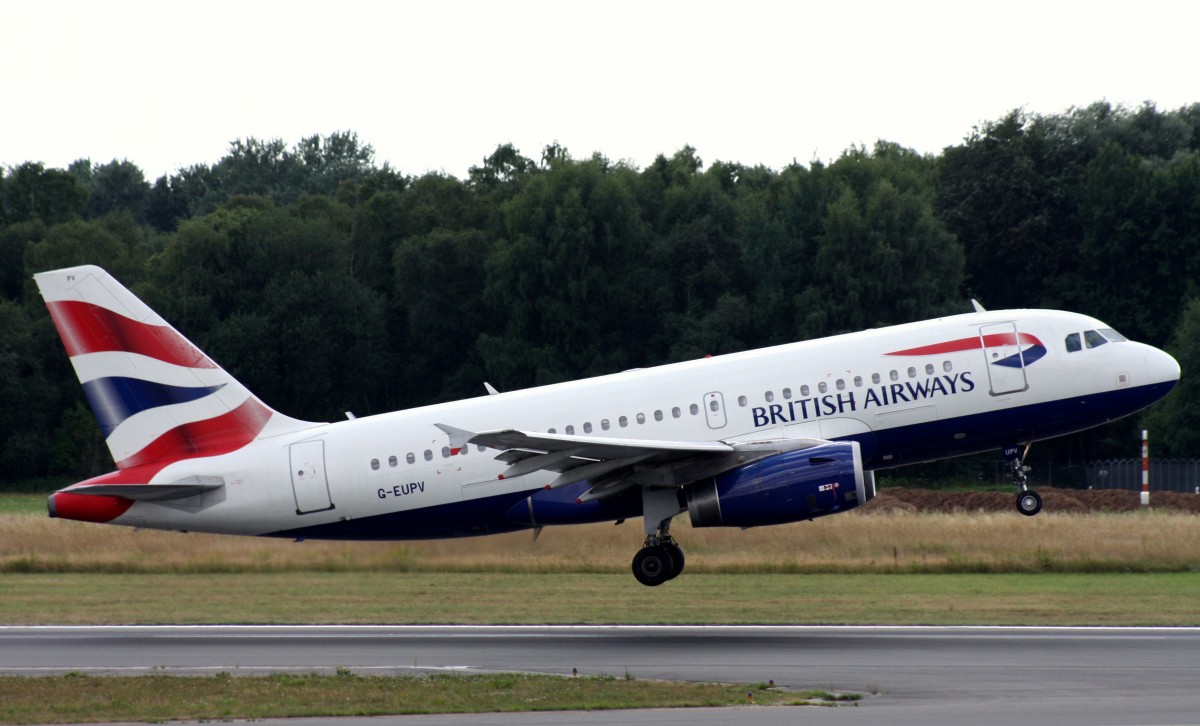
330 283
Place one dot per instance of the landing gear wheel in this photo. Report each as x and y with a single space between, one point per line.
1029 503
677 557
653 566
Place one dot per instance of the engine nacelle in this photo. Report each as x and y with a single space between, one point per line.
787 487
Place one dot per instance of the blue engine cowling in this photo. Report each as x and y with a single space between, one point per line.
786 487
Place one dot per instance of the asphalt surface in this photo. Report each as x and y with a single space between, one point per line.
906 675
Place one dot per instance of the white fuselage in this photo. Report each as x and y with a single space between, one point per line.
906 393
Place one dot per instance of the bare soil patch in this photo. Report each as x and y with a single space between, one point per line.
1055 500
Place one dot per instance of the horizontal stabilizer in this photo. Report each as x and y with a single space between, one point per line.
152 492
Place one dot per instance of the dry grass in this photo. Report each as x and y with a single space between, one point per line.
883 541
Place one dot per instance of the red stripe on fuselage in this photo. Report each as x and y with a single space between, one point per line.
972 343
211 437
86 328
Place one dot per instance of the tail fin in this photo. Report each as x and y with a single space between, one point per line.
157 397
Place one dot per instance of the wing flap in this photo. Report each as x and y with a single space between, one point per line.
612 465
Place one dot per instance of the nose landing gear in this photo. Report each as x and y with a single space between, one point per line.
1029 502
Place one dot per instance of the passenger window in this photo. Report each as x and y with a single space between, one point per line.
676 413
445 452
375 464
658 415
770 396
428 455
393 461
912 372
623 422
570 430
929 369
742 401
587 427
1093 339
874 378
480 447
895 376
947 366
604 424
694 409
1073 343
804 391
641 418
787 393
714 405
841 385
410 458
552 430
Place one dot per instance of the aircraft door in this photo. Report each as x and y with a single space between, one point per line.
714 409
309 482
1002 353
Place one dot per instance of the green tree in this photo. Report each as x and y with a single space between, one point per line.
1174 423
883 257
115 187
35 193
568 279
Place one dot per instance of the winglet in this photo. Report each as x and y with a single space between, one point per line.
458 437
978 308
490 389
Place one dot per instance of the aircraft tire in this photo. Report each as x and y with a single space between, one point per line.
652 566
677 557
1029 503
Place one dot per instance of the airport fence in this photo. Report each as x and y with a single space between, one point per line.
1175 475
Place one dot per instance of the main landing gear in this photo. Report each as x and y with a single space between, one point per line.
1029 502
660 558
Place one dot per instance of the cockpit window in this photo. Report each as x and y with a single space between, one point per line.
1073 343
1113 335
1093 339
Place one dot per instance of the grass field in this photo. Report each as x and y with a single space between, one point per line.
883 542
83 699
1167 599
896 567
887 567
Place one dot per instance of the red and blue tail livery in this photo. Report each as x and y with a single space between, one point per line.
157 398
750 439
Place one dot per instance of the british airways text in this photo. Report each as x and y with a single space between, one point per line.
836 404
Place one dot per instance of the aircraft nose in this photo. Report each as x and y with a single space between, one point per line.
1161 367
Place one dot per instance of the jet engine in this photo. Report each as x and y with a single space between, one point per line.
786 487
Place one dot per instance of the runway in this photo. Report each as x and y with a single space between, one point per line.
919 675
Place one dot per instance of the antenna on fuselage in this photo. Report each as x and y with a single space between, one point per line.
978 308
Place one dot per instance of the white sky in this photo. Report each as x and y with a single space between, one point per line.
438 85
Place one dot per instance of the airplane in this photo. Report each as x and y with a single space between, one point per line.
762 437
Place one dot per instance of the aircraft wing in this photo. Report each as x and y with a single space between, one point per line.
612 465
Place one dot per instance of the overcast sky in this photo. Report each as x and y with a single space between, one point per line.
438 85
